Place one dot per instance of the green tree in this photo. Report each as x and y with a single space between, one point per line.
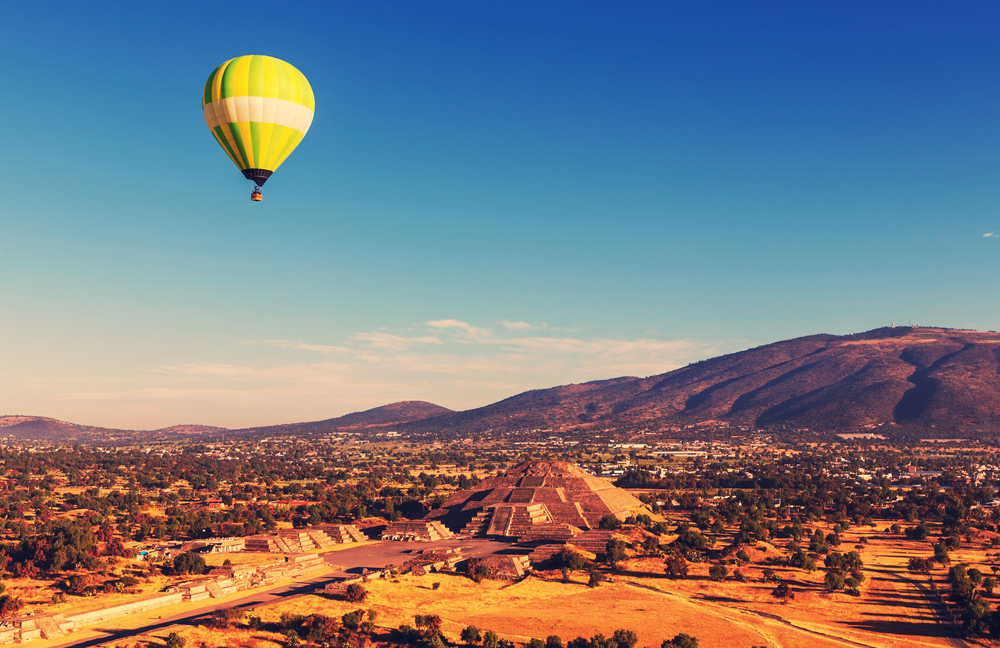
610 522
681 640
491 640
570 559
471 635
189 563
675 566
614 550
783 592
976 618
352 620
625 638
718 572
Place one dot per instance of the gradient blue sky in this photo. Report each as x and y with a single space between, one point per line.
493 197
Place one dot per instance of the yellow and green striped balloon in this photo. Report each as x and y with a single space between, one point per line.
259 109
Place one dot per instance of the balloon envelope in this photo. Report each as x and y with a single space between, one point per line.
259 109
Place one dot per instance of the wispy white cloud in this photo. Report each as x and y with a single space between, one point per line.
397 342
520 326
299 345
471 331
991 235
454 363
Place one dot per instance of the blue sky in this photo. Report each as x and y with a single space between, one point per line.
493 197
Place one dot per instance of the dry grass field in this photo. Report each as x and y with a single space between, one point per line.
895 609
539 608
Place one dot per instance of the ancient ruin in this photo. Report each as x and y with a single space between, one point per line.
416 530
537 501
301 540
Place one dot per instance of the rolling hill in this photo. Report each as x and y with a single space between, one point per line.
390 415
915 377
934 379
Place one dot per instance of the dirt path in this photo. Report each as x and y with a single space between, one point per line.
765 615
935 604
892 567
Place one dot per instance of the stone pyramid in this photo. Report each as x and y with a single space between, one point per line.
536 498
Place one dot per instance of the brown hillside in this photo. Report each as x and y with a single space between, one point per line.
386 415
921 377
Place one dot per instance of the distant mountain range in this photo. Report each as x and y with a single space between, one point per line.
905 376
924 378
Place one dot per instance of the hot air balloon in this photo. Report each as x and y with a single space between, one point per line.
259 109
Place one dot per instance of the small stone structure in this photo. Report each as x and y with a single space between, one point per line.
417 530
215 545
300 540
343 533
507 566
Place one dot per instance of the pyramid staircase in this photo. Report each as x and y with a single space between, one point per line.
342 533
524 518
477 525
296 541
49 626
421 530
320 538
263 543
500 521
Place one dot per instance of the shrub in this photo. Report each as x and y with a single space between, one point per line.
352 620
10 604
675 566
319 628
225 617
596 577
783 592
355 593
431 623
919 565
477 570
569 559
174 640
405 634
553 641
